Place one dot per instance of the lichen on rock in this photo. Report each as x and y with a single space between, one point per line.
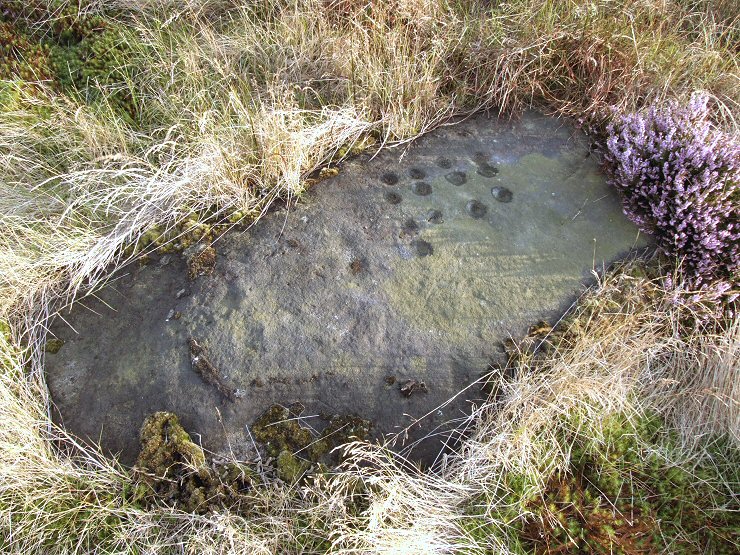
202 262
53 345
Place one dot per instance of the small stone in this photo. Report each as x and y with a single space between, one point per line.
180 294
412 386
170 314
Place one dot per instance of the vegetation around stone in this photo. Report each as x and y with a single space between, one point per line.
118 121
70 47
680 180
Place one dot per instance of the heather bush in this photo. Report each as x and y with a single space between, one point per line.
22 58
623 494
96 68
61 21
679 177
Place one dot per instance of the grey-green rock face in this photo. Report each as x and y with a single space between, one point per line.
414 265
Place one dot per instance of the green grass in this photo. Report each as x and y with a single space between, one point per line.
139 125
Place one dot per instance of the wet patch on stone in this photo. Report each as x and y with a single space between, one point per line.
457 178
502 194
422 188
417 173
389 178
392 197
444 163
476 209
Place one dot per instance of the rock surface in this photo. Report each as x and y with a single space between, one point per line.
409 267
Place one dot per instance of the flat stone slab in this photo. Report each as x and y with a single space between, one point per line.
414 265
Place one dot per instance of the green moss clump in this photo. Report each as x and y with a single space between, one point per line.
173 469
79 52
97 68
164 443
53 345
278 430
21 58
61 21
621 494
5 330
296 449
290 468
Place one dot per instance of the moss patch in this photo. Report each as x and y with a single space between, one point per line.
53 346
202 262
173 469
290 468
295 449
77 51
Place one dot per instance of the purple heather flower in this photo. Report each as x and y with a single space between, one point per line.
679 178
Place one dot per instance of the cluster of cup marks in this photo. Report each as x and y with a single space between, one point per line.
474 208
